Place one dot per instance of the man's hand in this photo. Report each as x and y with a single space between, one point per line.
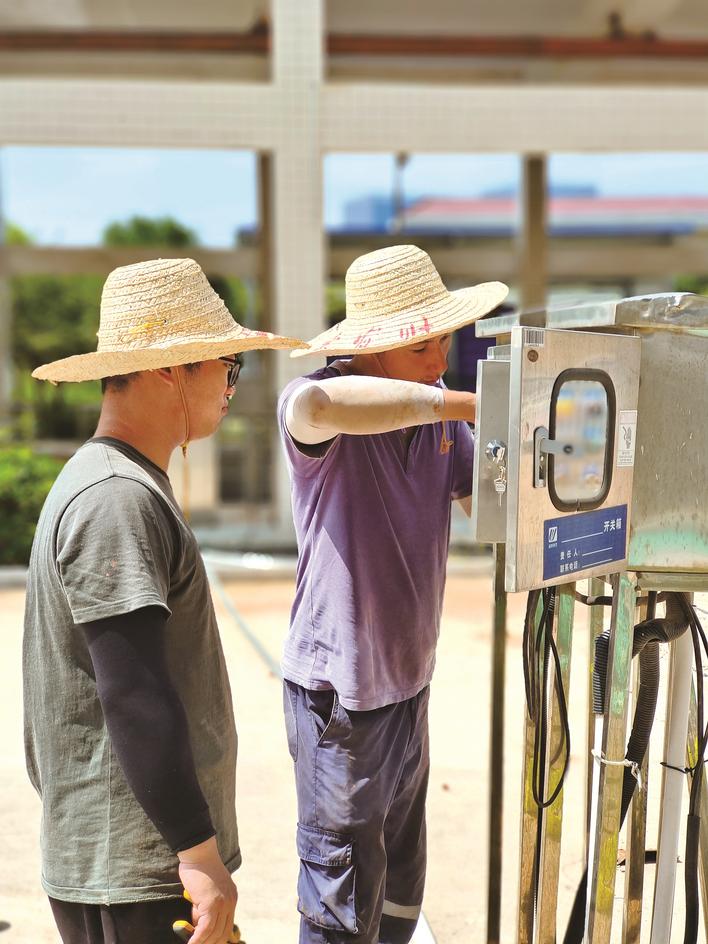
212 891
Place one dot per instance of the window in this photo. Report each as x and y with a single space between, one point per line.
582 417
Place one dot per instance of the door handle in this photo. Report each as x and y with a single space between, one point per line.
542 447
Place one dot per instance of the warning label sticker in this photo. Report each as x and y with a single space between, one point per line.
627 435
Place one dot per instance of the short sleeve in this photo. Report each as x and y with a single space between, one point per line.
301 460
463 461
116 546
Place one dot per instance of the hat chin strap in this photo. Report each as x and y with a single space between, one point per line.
185 442
183 447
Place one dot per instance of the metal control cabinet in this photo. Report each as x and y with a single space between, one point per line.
669 518
555 436
584 469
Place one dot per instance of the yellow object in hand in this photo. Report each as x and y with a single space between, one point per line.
184 930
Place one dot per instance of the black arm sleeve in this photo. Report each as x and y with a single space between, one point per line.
147 723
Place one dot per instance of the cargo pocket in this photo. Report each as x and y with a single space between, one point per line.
326 884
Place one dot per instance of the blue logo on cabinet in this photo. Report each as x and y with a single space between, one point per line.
575 543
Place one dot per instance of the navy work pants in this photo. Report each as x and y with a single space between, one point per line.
361 779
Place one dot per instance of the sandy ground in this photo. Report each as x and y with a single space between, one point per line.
455 902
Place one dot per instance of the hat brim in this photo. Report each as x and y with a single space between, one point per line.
99 364
371 336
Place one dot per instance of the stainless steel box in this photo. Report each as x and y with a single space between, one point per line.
669 514
669 530
554 535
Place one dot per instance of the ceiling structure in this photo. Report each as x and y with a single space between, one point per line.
551 41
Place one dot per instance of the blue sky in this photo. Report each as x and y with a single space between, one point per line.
65 196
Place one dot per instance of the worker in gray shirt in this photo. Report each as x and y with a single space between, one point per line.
129 729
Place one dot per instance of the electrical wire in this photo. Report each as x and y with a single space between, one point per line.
540 654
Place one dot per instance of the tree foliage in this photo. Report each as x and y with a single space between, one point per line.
16 236
143 231
54 315
25 480
691 283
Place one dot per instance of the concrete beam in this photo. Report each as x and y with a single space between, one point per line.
99 260
575 260
471 261
355 116
513 118
129 113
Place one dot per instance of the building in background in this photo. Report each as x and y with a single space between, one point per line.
295 82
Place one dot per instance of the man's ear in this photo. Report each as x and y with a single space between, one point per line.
165 375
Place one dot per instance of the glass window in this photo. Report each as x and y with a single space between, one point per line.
582 420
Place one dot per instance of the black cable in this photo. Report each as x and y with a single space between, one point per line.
603 600
527 651
545 641
539 698
538 649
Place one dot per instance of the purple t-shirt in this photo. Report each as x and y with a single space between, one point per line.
372 518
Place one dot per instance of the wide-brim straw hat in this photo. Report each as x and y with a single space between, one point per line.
160 313
395 297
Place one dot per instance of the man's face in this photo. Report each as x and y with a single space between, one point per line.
424 362
207 394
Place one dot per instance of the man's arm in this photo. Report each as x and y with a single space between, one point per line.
361 406
150 736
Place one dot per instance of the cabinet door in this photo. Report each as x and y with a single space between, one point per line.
572 425
490 453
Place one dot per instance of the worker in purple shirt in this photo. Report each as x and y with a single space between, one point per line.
377 449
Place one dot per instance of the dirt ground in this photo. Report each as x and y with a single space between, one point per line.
455 902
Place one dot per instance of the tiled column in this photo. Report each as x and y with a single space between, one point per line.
297 276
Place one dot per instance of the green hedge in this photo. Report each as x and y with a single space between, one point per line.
25 479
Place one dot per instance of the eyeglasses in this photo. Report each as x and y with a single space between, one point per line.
235 365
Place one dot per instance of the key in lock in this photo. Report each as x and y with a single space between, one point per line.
500 484
495 451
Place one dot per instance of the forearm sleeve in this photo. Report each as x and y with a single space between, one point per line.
147 723
359 406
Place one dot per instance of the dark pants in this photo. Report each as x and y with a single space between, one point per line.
141 922
361 780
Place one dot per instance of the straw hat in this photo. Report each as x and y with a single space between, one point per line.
160 313
396 297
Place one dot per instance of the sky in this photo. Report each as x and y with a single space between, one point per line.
66 196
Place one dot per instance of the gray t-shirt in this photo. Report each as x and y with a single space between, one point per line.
112 539
372 517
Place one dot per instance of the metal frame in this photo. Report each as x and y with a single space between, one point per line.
603 863
636 834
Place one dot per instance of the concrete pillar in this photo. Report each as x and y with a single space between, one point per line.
296 211
533 252
266 266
